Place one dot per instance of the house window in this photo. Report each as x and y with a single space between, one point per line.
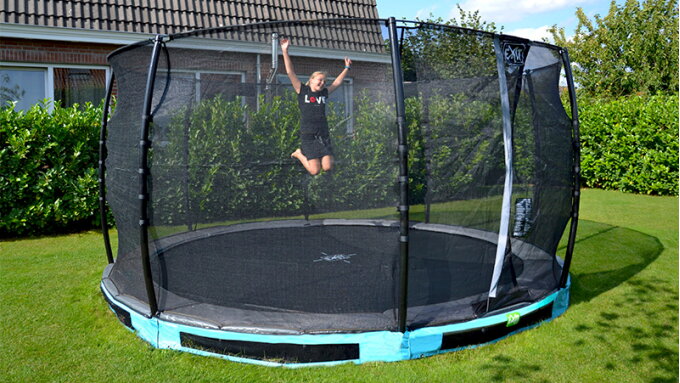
341 100
29 84
25 86
226 84
187 87
207 85
79 85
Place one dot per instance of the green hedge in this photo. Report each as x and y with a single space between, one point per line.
48 169
48 160
228 160
630 144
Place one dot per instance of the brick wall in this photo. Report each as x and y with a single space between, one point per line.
362 73
53 52
64 53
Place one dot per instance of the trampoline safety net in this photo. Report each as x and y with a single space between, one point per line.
241 236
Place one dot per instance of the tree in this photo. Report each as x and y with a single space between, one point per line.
439 51
632 50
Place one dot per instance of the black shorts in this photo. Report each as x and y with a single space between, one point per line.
314 146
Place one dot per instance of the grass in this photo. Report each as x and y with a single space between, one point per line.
622 325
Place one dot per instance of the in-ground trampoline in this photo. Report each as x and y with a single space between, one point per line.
455 176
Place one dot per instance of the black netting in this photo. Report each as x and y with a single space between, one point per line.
243 236
542 161
456 131
456 128
122 177
543 154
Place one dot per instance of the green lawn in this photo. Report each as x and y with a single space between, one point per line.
622 325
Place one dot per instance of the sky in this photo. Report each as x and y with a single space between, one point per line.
525 18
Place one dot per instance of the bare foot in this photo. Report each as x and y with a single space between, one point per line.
296 154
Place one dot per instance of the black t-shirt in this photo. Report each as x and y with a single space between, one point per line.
313 111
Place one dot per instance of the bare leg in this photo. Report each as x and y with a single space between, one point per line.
327 163
313 166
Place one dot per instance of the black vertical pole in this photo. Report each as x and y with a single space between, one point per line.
429 182
144 144
403 173
102 169
577 170
187 171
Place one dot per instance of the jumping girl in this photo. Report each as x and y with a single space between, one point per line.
316 152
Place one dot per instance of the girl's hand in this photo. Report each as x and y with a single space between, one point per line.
285 43
348 62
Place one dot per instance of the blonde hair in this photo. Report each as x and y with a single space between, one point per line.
316 74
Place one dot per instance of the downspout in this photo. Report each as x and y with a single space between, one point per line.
258 80
275 60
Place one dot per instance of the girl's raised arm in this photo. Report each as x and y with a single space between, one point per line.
290 71
338 80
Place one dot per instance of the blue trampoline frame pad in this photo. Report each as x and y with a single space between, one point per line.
375 346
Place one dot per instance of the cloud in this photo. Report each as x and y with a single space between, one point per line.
507 11
535 34
424 13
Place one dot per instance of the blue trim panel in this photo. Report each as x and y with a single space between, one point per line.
383 346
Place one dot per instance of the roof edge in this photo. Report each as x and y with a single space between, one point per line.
34 32
37 32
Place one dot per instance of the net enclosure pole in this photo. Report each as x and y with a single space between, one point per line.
576 193
102 169
403 173
143 171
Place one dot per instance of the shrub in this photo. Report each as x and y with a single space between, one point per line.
630 144
48 160
227 160
48 168
223 157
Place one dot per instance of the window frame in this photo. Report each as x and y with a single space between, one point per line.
197 78
48 89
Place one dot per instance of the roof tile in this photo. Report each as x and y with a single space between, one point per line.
173 16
